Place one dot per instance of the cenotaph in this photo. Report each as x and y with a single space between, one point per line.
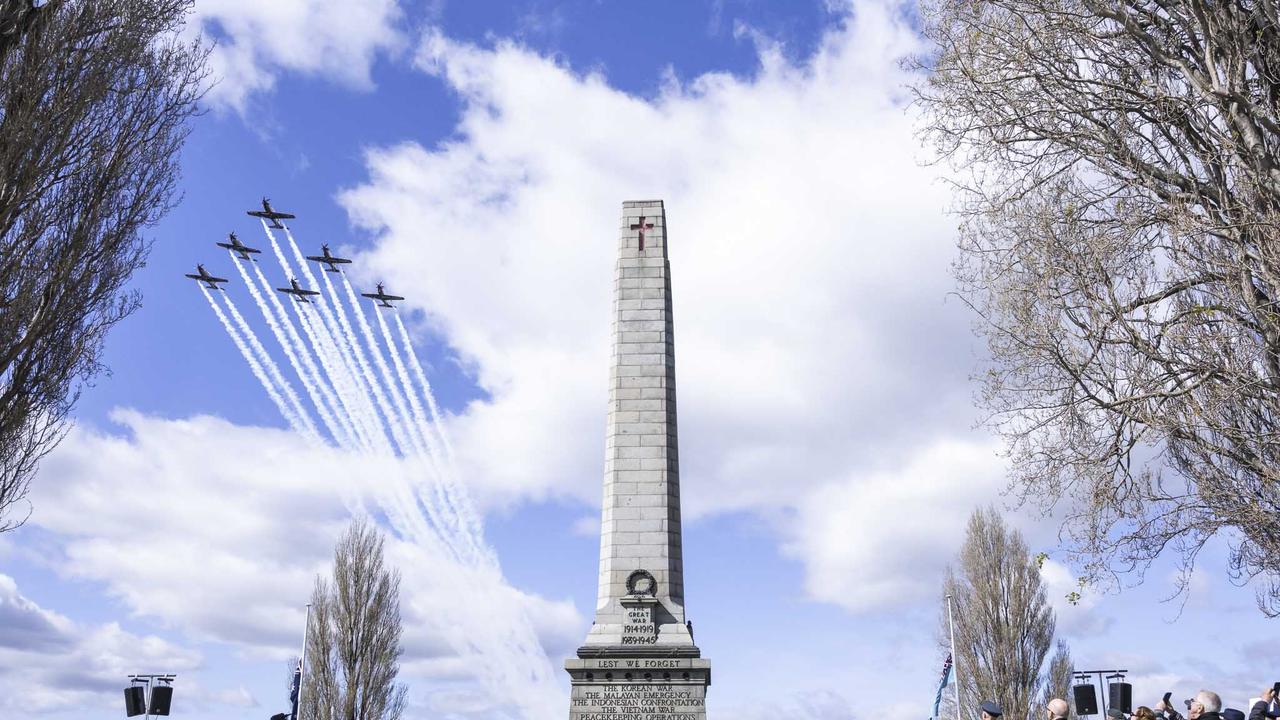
639 661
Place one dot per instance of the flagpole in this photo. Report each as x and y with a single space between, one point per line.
955 659
302 664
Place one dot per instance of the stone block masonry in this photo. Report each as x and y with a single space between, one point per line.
639 661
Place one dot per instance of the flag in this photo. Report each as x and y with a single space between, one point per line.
293 690
942 685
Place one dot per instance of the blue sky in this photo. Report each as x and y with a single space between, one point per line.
475 155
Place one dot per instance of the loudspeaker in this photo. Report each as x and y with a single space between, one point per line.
135 700
1121 697
1086 697
161 696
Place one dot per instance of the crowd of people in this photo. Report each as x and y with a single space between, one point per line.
1206 705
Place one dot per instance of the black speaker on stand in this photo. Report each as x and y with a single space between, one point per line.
161 697
1086 697
1121 694
135 700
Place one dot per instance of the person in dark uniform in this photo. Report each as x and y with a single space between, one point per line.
990 710
1266 708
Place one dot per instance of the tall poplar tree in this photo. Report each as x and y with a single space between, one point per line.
1003 622
1059 678
353 645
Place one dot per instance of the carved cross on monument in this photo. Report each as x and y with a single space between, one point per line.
642 226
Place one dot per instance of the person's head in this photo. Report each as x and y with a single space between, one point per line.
1058 709
1195 710
990 710
1115 714
1144 713
1209 701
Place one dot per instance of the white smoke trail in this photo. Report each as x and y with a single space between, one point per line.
254 365
355 402
376 353
426 390
420 422
400 501
373 411
296 416
363 394
282 339
357 437
376 394
436 510
361 361
345 386
458 497
446 495
323 382
296 351
341 365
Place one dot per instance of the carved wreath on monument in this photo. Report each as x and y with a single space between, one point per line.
642 582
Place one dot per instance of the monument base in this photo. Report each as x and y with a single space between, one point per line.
625 685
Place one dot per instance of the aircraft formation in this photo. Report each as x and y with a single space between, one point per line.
295 290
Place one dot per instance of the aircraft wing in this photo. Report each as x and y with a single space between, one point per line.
242 249
273 215
208 279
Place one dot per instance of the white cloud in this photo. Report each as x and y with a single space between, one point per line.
809 257
50 662
217 528
258 41
218 531
878 539
1081 618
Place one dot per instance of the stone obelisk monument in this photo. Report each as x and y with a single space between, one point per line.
639 661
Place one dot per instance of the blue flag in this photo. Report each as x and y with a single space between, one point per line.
293 690
946 679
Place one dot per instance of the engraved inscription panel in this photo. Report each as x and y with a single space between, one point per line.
639 701
638 627
639 688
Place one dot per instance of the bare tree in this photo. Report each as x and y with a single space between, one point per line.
94 100
1059 678
1003 623
353 648
1118 167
